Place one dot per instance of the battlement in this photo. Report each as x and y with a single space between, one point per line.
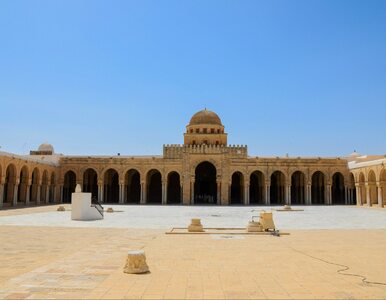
177 151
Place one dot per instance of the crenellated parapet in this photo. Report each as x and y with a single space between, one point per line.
177 151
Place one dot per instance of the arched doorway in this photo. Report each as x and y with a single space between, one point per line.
90 183
205 187
353 192
298 188
362 188
373 188
383 186
9 184
174 188
69 186
277 190
154 187
338 194
256 188
44 188
23 185
111 186
237 188
34 188
318 188
133 187
52 188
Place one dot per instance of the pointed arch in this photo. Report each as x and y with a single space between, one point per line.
34 188
174 188
111 186
69 186
9 184
237 188
205 186
318 188
338 192
298 189
23 185
133 186
256 188
154 187
277 189
90 183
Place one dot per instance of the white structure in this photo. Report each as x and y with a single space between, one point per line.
82 209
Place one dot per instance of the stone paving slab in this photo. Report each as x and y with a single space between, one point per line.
166 217
87 263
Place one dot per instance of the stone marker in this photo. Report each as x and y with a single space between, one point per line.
195 226
110 210
254 227
61 208
136 262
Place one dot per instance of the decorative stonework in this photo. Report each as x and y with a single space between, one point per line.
196 226
136 263
254 227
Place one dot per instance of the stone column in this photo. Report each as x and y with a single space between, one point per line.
368 196
1 194
121 191
15 193
143 193
309 194
380 200
246 193
218 202
288 195
27 193
358 192
100 192
54 191
346 195
327 199
164 190
267 194
47 194
38 187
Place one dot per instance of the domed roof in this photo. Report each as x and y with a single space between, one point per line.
205 117
46 148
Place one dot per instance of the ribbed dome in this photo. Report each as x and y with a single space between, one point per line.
46 148
205 117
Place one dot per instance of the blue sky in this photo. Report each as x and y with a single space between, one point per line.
101 77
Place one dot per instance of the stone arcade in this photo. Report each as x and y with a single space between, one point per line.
204 170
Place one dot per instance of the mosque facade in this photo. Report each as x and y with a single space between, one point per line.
204 170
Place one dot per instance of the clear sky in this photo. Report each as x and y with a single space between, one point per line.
101 77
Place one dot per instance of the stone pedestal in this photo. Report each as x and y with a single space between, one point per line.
136 263
196 226
254 227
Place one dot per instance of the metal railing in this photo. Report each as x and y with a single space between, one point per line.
97 205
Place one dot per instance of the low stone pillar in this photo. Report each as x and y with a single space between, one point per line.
195 226
136 263
254 227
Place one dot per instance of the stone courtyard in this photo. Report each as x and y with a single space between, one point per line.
45 255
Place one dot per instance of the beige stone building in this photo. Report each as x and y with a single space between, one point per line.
204 170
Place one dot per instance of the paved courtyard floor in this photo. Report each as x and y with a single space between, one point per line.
45 255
